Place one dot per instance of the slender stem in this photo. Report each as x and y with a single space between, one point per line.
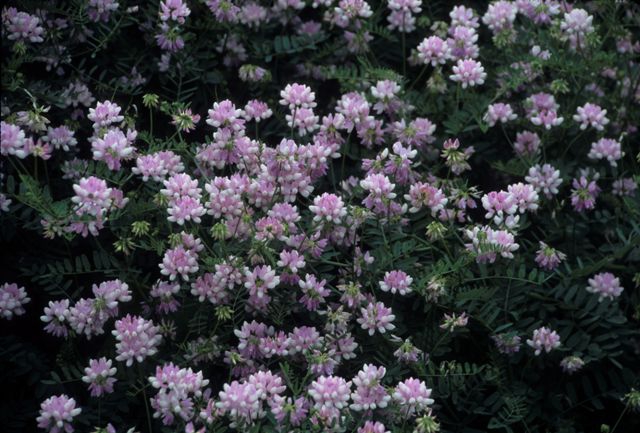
150 122
146 400
293 121
332 171
615 426
344 156
418 77
404 51
566 149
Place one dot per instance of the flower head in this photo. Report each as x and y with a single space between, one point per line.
544 339
606 285
137 339
57 413
413 396
468 73
376 317
12 300
99 375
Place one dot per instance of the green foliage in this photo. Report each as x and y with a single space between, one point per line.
477 387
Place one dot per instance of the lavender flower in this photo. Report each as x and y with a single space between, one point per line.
99 375
57 413
544 339
12 300
606 285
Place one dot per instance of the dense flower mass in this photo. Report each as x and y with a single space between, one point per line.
176 388
317 216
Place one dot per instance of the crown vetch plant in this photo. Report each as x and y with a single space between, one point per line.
320 216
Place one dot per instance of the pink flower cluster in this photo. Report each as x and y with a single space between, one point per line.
246 401
376 317
99 375
158 165
396 282
273 226
503 207
624 187
576 26
542 110
172 14
182 260
507 343
549 258
93 200
165 292
413 396
177 387
402 14
114 147
109 143
544 179
323 354
216 287
251 399
455 158
434 51
499 112
527 143
469 73
544 339
571 364
500 16
584 193
425 195
12 141
87 316
606 148
605 285
22 26
184 199
137 339
591 115
100 10
12 300
486 243
452 321
57 413
369 394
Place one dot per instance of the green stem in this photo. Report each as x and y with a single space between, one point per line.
570 144
293 121
146 400
418 77
151 122
615 426
344 156
404 52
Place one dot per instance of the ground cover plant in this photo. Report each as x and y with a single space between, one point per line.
320 216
